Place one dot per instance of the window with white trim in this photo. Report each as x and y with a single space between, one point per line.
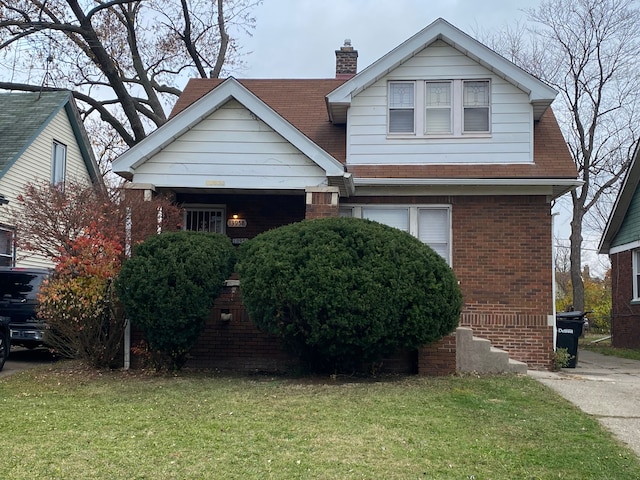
401 107
58 163
439 108
7 247
636 274
204 219
429 223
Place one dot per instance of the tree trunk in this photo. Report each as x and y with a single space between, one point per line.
576 256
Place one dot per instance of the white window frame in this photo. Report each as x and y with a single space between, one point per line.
205 208
356 210
58 163
11 256
457 110
636 274
391 108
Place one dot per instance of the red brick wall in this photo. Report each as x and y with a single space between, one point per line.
501 255
503 259
439 358
237 344
625 317
322 205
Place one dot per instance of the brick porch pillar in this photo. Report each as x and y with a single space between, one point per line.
321 202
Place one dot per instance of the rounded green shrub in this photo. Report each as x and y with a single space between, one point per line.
168 287
343 291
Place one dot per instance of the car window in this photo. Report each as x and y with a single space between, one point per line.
19 285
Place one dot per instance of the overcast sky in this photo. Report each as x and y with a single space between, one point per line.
298 38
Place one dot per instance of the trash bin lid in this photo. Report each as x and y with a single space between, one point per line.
575 316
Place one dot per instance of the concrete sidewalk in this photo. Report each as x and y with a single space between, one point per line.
603 386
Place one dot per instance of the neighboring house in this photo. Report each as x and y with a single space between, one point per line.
41 139
441 137
621 241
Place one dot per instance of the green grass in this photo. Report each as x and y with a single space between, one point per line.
69 423
604 347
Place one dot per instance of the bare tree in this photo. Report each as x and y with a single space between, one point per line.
124 59
589 50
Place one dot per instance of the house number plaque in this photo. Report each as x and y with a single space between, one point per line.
236 223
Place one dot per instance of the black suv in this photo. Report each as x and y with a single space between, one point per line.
18 301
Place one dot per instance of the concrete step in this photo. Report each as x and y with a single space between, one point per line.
476 354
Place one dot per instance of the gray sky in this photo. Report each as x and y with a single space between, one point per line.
298 38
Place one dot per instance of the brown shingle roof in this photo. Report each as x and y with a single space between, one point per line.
302 103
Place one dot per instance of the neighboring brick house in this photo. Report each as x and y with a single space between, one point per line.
621 241
41 139
441 137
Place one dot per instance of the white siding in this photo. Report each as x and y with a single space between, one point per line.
34 166
231 148
511 139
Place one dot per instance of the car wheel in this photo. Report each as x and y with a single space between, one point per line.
4 349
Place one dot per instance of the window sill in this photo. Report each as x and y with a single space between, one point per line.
409 136
635 301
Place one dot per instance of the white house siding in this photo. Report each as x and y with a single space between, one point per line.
510 141
231 148
34 166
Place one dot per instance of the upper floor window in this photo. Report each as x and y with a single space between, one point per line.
204 219
401 107
448 107
58 163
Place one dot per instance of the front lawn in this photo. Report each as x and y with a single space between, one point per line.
599 343
70 423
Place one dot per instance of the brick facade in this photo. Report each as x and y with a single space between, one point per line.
501 255
625 316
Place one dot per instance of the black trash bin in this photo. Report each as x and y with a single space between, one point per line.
569 326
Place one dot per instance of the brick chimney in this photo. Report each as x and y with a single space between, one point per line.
346 61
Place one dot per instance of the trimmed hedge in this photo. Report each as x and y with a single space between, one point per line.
343 291
168 287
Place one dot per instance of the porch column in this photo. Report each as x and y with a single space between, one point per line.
321 202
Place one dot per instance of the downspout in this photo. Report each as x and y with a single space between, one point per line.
127 325
553 277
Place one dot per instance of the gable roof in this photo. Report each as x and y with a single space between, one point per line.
540 94
24 115
186 115
299 101
622 203
302 103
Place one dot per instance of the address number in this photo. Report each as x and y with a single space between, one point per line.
236 223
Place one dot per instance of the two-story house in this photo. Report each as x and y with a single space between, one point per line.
441 137
42 139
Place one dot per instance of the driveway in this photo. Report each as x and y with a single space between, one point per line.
22 359
605 387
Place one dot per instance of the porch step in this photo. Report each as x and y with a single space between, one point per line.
475 354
